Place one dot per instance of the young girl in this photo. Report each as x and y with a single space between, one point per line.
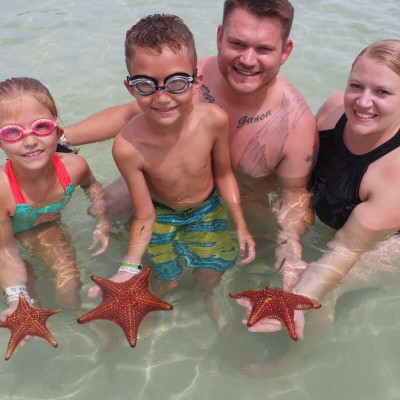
36 184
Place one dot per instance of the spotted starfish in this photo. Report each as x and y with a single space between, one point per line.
126 303
27 320
275 303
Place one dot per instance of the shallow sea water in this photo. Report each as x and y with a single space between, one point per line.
76 49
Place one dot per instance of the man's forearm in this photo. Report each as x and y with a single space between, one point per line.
293 213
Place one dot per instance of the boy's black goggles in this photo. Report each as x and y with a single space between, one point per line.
175 83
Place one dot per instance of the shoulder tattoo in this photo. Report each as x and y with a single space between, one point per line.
205 90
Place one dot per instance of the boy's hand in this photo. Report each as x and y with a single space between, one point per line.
95 290
247 246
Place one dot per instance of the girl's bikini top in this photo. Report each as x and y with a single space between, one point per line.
26 216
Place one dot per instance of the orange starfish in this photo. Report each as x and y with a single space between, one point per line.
27 320
275 303
126 303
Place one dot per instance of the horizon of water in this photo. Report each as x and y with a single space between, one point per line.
76 49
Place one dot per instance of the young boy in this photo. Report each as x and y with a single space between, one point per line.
171 156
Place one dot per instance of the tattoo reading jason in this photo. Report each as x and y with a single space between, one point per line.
249 120
207 94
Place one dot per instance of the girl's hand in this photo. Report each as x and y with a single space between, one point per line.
6 313
101 235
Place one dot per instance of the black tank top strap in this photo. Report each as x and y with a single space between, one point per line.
363 159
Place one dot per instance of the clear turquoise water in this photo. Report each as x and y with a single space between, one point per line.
76 49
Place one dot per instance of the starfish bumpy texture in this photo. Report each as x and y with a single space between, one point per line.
275 303
126 303
27 320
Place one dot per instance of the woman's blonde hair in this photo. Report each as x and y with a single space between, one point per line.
386 52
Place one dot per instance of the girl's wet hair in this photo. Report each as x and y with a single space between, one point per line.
157 32
386 52
15 87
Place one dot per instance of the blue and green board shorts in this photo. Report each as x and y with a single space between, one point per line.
199 236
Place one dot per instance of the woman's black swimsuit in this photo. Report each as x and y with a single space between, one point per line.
337 176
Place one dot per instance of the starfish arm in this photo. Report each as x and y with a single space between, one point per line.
14 341
27 320
103 311
153 303
308 304
130 324
249 294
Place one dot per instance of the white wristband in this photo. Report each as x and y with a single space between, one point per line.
12 293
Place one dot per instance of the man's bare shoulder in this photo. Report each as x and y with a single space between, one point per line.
205 64
301 144
294 95
298 111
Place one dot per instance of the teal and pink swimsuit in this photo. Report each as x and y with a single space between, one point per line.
26 217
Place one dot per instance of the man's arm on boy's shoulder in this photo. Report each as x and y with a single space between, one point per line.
103 125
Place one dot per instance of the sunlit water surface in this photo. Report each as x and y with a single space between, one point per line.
76 49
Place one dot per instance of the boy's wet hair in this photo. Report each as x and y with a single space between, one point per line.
16 87
157 32
386 52
281 9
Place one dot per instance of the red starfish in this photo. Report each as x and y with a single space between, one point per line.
27 320
275 303
126 303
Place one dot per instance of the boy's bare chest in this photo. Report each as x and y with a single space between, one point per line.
188 158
